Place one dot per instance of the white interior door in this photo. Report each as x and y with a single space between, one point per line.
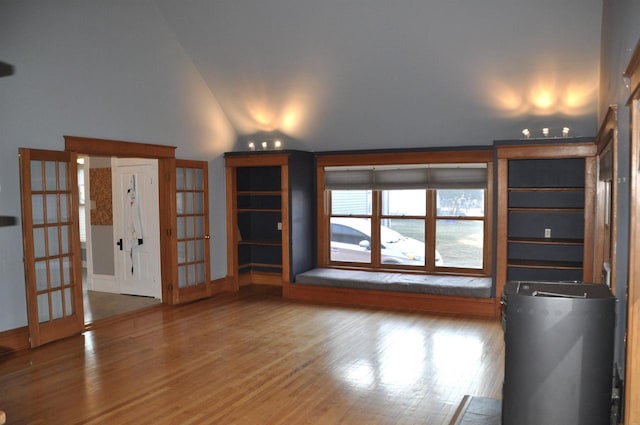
136 226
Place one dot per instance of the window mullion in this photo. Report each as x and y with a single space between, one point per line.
430 239
375 228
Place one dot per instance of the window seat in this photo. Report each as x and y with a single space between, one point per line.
459 295
458 286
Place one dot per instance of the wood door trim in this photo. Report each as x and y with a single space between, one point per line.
168 248
632 371
166 187
632 72
285 217
607 136
232 228
502 229
107 147
589 217
607 129
323 207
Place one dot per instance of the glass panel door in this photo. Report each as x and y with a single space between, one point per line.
192 230
51 245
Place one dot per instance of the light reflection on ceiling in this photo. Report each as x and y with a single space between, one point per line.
336 75
289 109
541 95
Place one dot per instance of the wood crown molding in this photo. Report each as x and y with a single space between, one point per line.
255 160
551 150
106 147
401 157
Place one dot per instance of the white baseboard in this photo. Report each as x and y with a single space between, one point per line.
103 283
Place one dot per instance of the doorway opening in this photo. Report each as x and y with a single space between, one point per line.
51 240
119 235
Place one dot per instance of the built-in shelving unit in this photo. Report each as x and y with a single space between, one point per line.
259 219
546 219
262 188
545 212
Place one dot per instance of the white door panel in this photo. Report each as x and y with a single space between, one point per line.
136 226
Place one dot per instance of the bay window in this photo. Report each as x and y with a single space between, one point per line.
412 217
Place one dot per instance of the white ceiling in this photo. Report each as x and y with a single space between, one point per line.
352 74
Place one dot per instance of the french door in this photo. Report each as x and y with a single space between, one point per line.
51 240
192 274
51 244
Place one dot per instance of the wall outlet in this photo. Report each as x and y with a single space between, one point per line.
279 226
547 233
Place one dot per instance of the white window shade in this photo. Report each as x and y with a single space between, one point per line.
458 178
405 178
348 179
415 176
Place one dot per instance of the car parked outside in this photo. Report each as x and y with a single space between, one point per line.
351 242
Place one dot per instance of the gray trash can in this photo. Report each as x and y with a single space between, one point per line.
559 340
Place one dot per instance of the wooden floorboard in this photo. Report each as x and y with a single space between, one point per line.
255 358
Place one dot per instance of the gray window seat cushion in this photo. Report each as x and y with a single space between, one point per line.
460 286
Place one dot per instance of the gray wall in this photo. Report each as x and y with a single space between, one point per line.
620 34
102 250
107 69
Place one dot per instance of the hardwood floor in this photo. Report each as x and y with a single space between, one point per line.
101 305
254 358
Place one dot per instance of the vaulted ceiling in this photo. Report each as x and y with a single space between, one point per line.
346 74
